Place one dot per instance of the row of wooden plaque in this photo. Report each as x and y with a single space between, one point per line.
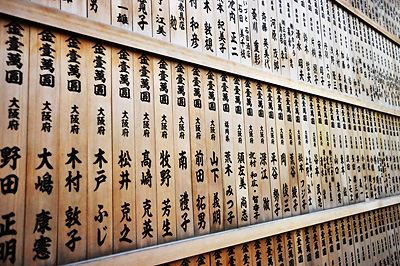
370 238
316 42
105 149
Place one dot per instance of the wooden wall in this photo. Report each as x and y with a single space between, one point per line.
130 124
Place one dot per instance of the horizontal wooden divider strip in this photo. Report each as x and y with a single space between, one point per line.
62 20
367 20
198 245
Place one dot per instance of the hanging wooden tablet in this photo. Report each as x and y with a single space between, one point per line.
265 200
320 67
202 259
298 30
14 52
233 256
218 257
77 7
40 245
312 69
390 235
373 231
142 17
209 29
352 155
356 151
308 246
363 154
357 240
348 53
72 212
291 44
370 167
314 153
280 6
123 150
382 154
244 254
182 163
194 25
255 32
244 32
227 163
347 155
291 154
269 249
290 248
396 159
282 154
384 237
342 41
378 151
331 45
333 187
368 238
273 154
274 27
337 39
323 242
145 152
327 195
239 153
265 32
363 182
258 254
121 14
305 136
198 151
338 171
213 156
302 166
299 247
178 22
342 152
323 12
336 246
100 155
160 20
368 70
315 240
389 133
233 31
350 240
280 250
344 245
395 209
99 10
252 142
165 155
221 32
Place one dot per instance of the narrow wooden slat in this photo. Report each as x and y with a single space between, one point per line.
123 144
14 135
181 131
100 156
43 148
72 233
